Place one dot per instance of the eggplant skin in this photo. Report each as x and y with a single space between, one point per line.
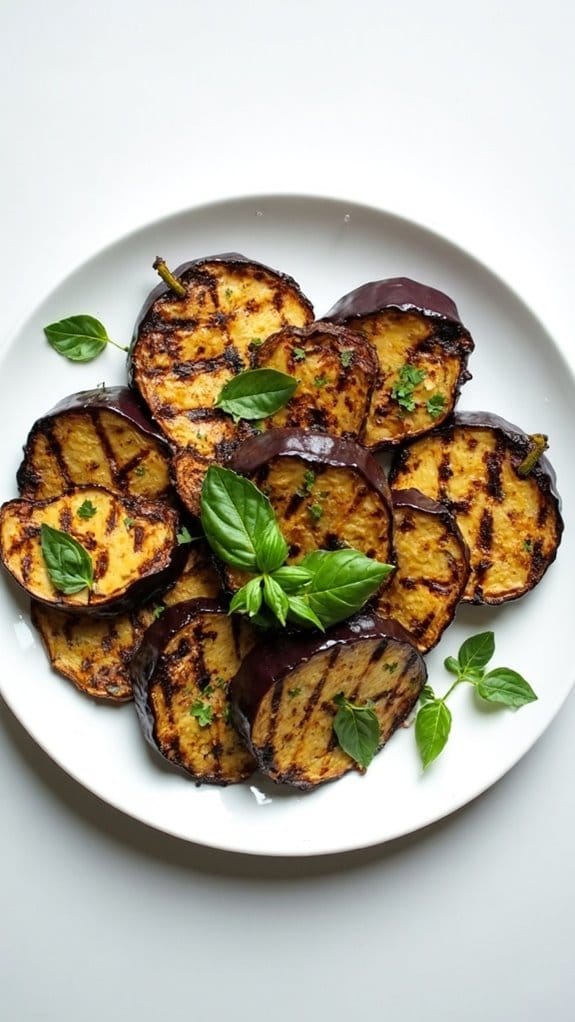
132 543
512 523
336 370
326 492
283 695
432 568
410 325
103 437
185 349
186 658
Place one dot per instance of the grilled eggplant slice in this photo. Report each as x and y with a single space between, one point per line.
185 349
100 436
180 676
336 370
283 695
432 568
92 652
489 474
327 493
132 544
199 578
422 348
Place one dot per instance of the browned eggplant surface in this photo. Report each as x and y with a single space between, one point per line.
181 676
92 652
199 578
510 520
335 369
98 436
132 544
185 349
432 568
284 695
422 349
327 493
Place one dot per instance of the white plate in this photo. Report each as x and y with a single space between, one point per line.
329 247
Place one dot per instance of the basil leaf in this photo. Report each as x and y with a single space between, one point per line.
234 516
426 695
292 577
451 664
78 338
357 729
343 580
476 651
276 599
248 599
256 393
68 564
272 548
432 727
301 614
507 687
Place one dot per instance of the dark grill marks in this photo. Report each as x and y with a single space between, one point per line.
316 694
56 450
485 531
104 441
493 464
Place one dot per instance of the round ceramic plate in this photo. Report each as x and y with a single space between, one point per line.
329 247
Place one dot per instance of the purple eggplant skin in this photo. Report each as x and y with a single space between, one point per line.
279 654
144 662
187 270
317 448
400 293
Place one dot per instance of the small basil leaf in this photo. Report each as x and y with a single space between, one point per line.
272 548
343 580
427 694
301 614
276 599
432 727
507 687
357 730
234 515
256 393
78 338
68 564
476 651
292 577
451 664
248 599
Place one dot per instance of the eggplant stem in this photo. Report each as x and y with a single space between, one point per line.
538 446
167 276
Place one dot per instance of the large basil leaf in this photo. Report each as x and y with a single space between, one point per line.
343 580
505 686
78 338
476 652
256 393
68 564
432 727
357 729
235 515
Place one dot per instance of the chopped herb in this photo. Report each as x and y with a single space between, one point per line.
315 511
86 510
140 471
184 536
390 667
435 405
408 378
528 545
346 358
220 682
227 714
203 712
320 381
256 342
129 522
199 435
298 354
258 425
208 690
228 292
307 485
157 610
294 692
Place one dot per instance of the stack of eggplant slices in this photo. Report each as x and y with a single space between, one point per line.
217 541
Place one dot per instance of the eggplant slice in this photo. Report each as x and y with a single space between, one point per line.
327 493
422 348
92 652
432 568
336 371
132 544
508 510
180 676
102 437
283 695
199 578
185 349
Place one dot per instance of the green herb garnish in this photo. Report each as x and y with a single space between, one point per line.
203 712
79 338
357 730
86 510
346 358
129 522
298 354
435 405
68 564
307 483
315 512
256 393
320 381
408 378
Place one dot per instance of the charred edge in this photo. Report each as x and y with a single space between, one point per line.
419 628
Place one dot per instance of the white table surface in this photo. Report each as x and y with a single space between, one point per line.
459 116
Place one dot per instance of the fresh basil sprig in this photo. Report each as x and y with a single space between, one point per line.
357 730
68 564
79 338
500 685
241 528
256 393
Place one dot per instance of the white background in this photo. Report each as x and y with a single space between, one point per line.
459 116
